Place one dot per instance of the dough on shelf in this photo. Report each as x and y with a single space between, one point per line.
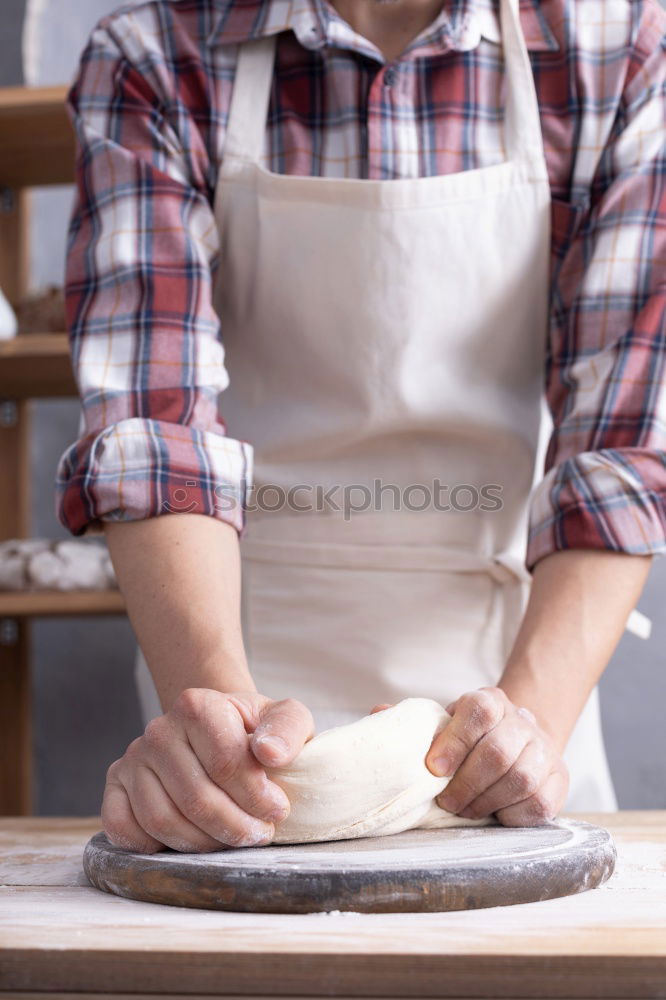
367 779
46 564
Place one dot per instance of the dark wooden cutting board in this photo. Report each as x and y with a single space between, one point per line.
420 870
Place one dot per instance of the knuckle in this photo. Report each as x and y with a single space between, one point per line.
288 705
121 829
224 766
540 807
121 834
524 782
156 821
463 789
256 802
496 693
292 708
456 743
198 808
485 708
511 816
190 704
479 808
112 772
134 749
496 757
115 832
283 718
467 700
155 736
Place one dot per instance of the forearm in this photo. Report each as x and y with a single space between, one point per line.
180 576
579 603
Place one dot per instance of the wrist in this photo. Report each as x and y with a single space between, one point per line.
226 670
555 716
228 673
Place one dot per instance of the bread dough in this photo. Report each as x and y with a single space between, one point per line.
367 779
46 564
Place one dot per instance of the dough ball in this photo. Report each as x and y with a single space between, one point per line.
367 779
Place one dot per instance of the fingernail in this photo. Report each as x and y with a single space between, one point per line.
441 766
447 803
257 835
274 743
280 808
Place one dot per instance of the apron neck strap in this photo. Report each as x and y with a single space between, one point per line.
248 111
245 132
522 124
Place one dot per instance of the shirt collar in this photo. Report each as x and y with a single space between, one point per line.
460 25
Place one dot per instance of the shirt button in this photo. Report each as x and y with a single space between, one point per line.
389 77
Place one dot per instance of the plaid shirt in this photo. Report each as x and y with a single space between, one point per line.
149 103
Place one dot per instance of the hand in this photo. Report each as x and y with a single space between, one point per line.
195 781
502 762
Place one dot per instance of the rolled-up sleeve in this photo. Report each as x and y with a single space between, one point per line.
145 341
604 485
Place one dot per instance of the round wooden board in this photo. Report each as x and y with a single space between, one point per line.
420 870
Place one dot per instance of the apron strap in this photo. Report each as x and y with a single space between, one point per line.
246 127
639 624
522 123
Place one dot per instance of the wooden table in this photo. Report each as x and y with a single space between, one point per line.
60 937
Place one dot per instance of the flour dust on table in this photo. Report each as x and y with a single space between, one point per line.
367 779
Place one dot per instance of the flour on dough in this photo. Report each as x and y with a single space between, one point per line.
367 779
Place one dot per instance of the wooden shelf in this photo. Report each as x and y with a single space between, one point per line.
37 137
47 603
36 365
37 148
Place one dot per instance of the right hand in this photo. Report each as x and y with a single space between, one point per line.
195 781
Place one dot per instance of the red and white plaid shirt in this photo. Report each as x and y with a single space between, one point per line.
149 103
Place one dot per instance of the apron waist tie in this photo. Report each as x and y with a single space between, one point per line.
504 567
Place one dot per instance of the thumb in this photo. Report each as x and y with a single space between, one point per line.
283 729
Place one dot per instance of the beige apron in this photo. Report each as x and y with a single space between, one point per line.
388 332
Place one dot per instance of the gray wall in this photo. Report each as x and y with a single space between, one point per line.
85 705
11 21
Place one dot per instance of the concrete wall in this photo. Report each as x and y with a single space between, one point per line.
85 705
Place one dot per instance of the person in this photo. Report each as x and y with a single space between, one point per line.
366 310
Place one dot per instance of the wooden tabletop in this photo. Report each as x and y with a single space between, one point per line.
59 936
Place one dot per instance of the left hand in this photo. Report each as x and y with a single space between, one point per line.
501 760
